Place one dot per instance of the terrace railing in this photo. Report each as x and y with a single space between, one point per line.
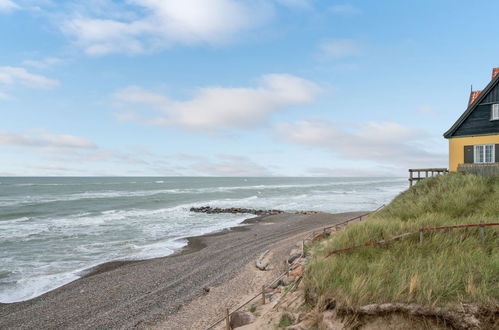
416 174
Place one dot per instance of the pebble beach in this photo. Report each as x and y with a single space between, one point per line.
155 293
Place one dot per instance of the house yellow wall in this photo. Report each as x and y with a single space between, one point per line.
456 147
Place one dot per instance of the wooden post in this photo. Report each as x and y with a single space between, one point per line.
421 237
410 178
227 319
482 232
263 294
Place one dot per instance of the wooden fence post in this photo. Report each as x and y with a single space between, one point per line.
263 294
482 231
421 236
227 319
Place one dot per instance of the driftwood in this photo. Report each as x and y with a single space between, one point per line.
259 262
460 319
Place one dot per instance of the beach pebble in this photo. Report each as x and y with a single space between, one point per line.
240 318
293 257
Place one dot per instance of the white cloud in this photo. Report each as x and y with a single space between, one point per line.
356 171
50 167
44 63
45 139
7 174
111 155
10 75
8 5
385 143
340 48
219 108
344 9
230 165
167 22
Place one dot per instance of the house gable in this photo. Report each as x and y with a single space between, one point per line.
476 119
493 96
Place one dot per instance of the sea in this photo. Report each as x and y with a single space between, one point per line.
53 229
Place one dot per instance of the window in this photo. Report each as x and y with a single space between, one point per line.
495 112
485 153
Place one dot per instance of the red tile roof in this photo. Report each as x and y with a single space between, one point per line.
473 96
495 72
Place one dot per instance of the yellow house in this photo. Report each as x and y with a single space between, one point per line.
474 137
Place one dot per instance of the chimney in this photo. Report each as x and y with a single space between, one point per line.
495 72
473 96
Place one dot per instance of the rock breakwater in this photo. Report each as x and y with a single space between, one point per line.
234 210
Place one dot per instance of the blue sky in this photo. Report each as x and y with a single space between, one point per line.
237 88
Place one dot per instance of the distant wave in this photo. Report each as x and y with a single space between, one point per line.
46 245
144 193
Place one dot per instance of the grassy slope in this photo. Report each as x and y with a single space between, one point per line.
449 267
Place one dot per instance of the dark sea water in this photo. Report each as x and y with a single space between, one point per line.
51 229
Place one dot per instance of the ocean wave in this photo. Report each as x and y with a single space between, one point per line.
30 284
56 248
41 199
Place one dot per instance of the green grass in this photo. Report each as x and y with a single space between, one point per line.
285 321
450 267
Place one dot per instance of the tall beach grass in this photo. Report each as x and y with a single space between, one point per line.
449 267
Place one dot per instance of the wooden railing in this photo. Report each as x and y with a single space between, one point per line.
428 173
479 169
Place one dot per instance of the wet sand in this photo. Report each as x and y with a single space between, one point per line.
149 293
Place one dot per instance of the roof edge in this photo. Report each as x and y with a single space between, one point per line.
471 107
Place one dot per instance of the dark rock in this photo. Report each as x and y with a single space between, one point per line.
293 257
240 318
233 210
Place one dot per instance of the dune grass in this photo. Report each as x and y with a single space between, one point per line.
451 266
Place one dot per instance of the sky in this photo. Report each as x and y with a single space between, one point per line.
236 87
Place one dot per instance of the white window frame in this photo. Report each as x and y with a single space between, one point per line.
494 112
483 147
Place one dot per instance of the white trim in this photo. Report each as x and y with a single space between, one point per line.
480 151
494 112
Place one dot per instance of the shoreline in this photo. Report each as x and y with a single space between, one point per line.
139 293
194 243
